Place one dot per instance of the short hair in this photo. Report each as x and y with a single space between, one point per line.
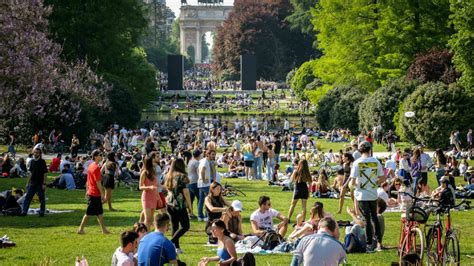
262 200
328 223
128 237
96 153
161 219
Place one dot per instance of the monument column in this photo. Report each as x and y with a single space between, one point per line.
182 38
198 57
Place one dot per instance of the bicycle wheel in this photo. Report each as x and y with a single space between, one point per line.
451 254
412 247
432 257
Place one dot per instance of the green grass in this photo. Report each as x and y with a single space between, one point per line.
52 239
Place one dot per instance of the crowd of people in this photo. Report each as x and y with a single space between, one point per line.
192 170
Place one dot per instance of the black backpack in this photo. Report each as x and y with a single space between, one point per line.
271 240
246 260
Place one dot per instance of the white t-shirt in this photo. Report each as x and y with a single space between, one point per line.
391 164
382 194
264 220
356 154
366 171
122 259
204 162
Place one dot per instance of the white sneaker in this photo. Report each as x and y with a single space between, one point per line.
200 219
179 251
205 219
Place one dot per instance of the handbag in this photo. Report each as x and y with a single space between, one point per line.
161 204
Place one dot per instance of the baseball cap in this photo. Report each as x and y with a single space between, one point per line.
237 205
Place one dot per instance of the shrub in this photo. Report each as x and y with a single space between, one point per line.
381 106
289 77
339 108
314 95
439 109
435 65
303 76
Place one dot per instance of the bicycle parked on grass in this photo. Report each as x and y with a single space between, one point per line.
443 244
412 241
231 191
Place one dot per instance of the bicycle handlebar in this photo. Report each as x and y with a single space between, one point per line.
419 199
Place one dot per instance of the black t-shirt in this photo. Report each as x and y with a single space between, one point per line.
38 168
277 147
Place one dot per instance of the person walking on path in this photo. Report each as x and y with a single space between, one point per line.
94 194
37 182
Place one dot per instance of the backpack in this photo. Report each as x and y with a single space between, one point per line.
271 240
352 244
247 259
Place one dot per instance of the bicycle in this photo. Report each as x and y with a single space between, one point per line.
231 191
412 240
443 247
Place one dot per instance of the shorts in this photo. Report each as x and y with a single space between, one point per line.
94 206
248 163
108 181
423 179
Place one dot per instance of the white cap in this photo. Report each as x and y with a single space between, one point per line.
237 205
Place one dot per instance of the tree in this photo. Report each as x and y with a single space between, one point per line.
438 109
380 107
368 42
436 65
462 41
260 28
38 89
339 108
303 76
107 33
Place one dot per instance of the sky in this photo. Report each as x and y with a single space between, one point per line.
176 4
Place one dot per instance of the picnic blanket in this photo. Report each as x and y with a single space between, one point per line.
36 211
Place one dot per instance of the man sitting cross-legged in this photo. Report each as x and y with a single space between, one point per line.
262 219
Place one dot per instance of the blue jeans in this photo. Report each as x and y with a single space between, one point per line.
30 192
257 167
203 191
270 168
193 191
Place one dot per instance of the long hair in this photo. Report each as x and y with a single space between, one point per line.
177 168
317 211
220 198
416 156
302 173
441 157
148 167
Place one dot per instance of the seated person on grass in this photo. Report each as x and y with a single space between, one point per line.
55 162
65 180
262 219
123 255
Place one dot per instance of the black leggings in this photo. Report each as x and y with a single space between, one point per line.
178 217
368 208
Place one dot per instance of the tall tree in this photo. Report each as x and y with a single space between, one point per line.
38 89
462 42
108 33
260 28
367 42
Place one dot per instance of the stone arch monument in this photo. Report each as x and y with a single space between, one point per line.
195 21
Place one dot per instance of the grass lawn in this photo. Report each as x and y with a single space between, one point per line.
52 240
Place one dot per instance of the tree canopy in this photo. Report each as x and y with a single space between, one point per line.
260 28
